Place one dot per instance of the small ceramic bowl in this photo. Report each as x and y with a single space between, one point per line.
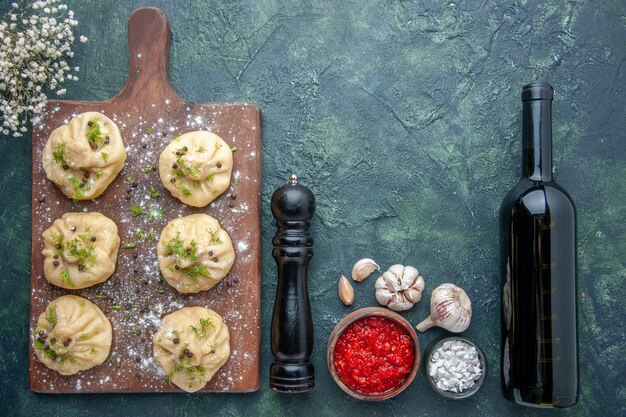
450 394
358 315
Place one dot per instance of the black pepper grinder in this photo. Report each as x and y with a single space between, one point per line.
293 206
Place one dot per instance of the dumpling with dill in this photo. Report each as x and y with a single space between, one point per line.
72 335
192 344
80 250
194 253
196 167
84 156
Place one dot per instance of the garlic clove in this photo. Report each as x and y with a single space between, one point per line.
363 269
384 295
345 290
391 281
413 295
408 277
396 301
419 284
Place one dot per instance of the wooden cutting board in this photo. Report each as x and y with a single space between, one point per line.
149 115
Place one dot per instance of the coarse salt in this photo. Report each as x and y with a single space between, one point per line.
455 366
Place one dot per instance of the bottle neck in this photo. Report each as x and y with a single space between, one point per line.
537 139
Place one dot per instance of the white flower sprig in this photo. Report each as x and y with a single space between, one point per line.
35 44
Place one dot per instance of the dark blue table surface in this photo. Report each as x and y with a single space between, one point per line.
403 117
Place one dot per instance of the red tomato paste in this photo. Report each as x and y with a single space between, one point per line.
374 355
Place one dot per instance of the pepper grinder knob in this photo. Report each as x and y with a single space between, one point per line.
293 206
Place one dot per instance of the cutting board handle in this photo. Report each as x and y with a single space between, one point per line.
149 45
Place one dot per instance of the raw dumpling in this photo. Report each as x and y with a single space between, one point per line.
80 250
84 156
196 167
194 253
72 335
192 344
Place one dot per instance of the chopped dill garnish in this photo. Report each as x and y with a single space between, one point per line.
129 177
105 156
59 155
83 336
51 316
214 239
178 172
233 149
204 325
195 170
130 245
146 170
152 236
209 178
149 130
182 364
82 249
98 296
195 271
201 149
117 307
154 193
238 181
175 246
217 146
183 189
57 239
79 188
65 278
94 134
98 172
141 235
136 210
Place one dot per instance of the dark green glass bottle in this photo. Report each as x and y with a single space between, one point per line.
538 266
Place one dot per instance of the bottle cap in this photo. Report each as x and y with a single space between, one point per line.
537 91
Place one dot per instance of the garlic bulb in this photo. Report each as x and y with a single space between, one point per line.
450 308
363 269
399 288
345 290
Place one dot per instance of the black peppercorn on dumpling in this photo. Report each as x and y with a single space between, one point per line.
194 253
84 156
80 250
196 167
72 335
192 344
